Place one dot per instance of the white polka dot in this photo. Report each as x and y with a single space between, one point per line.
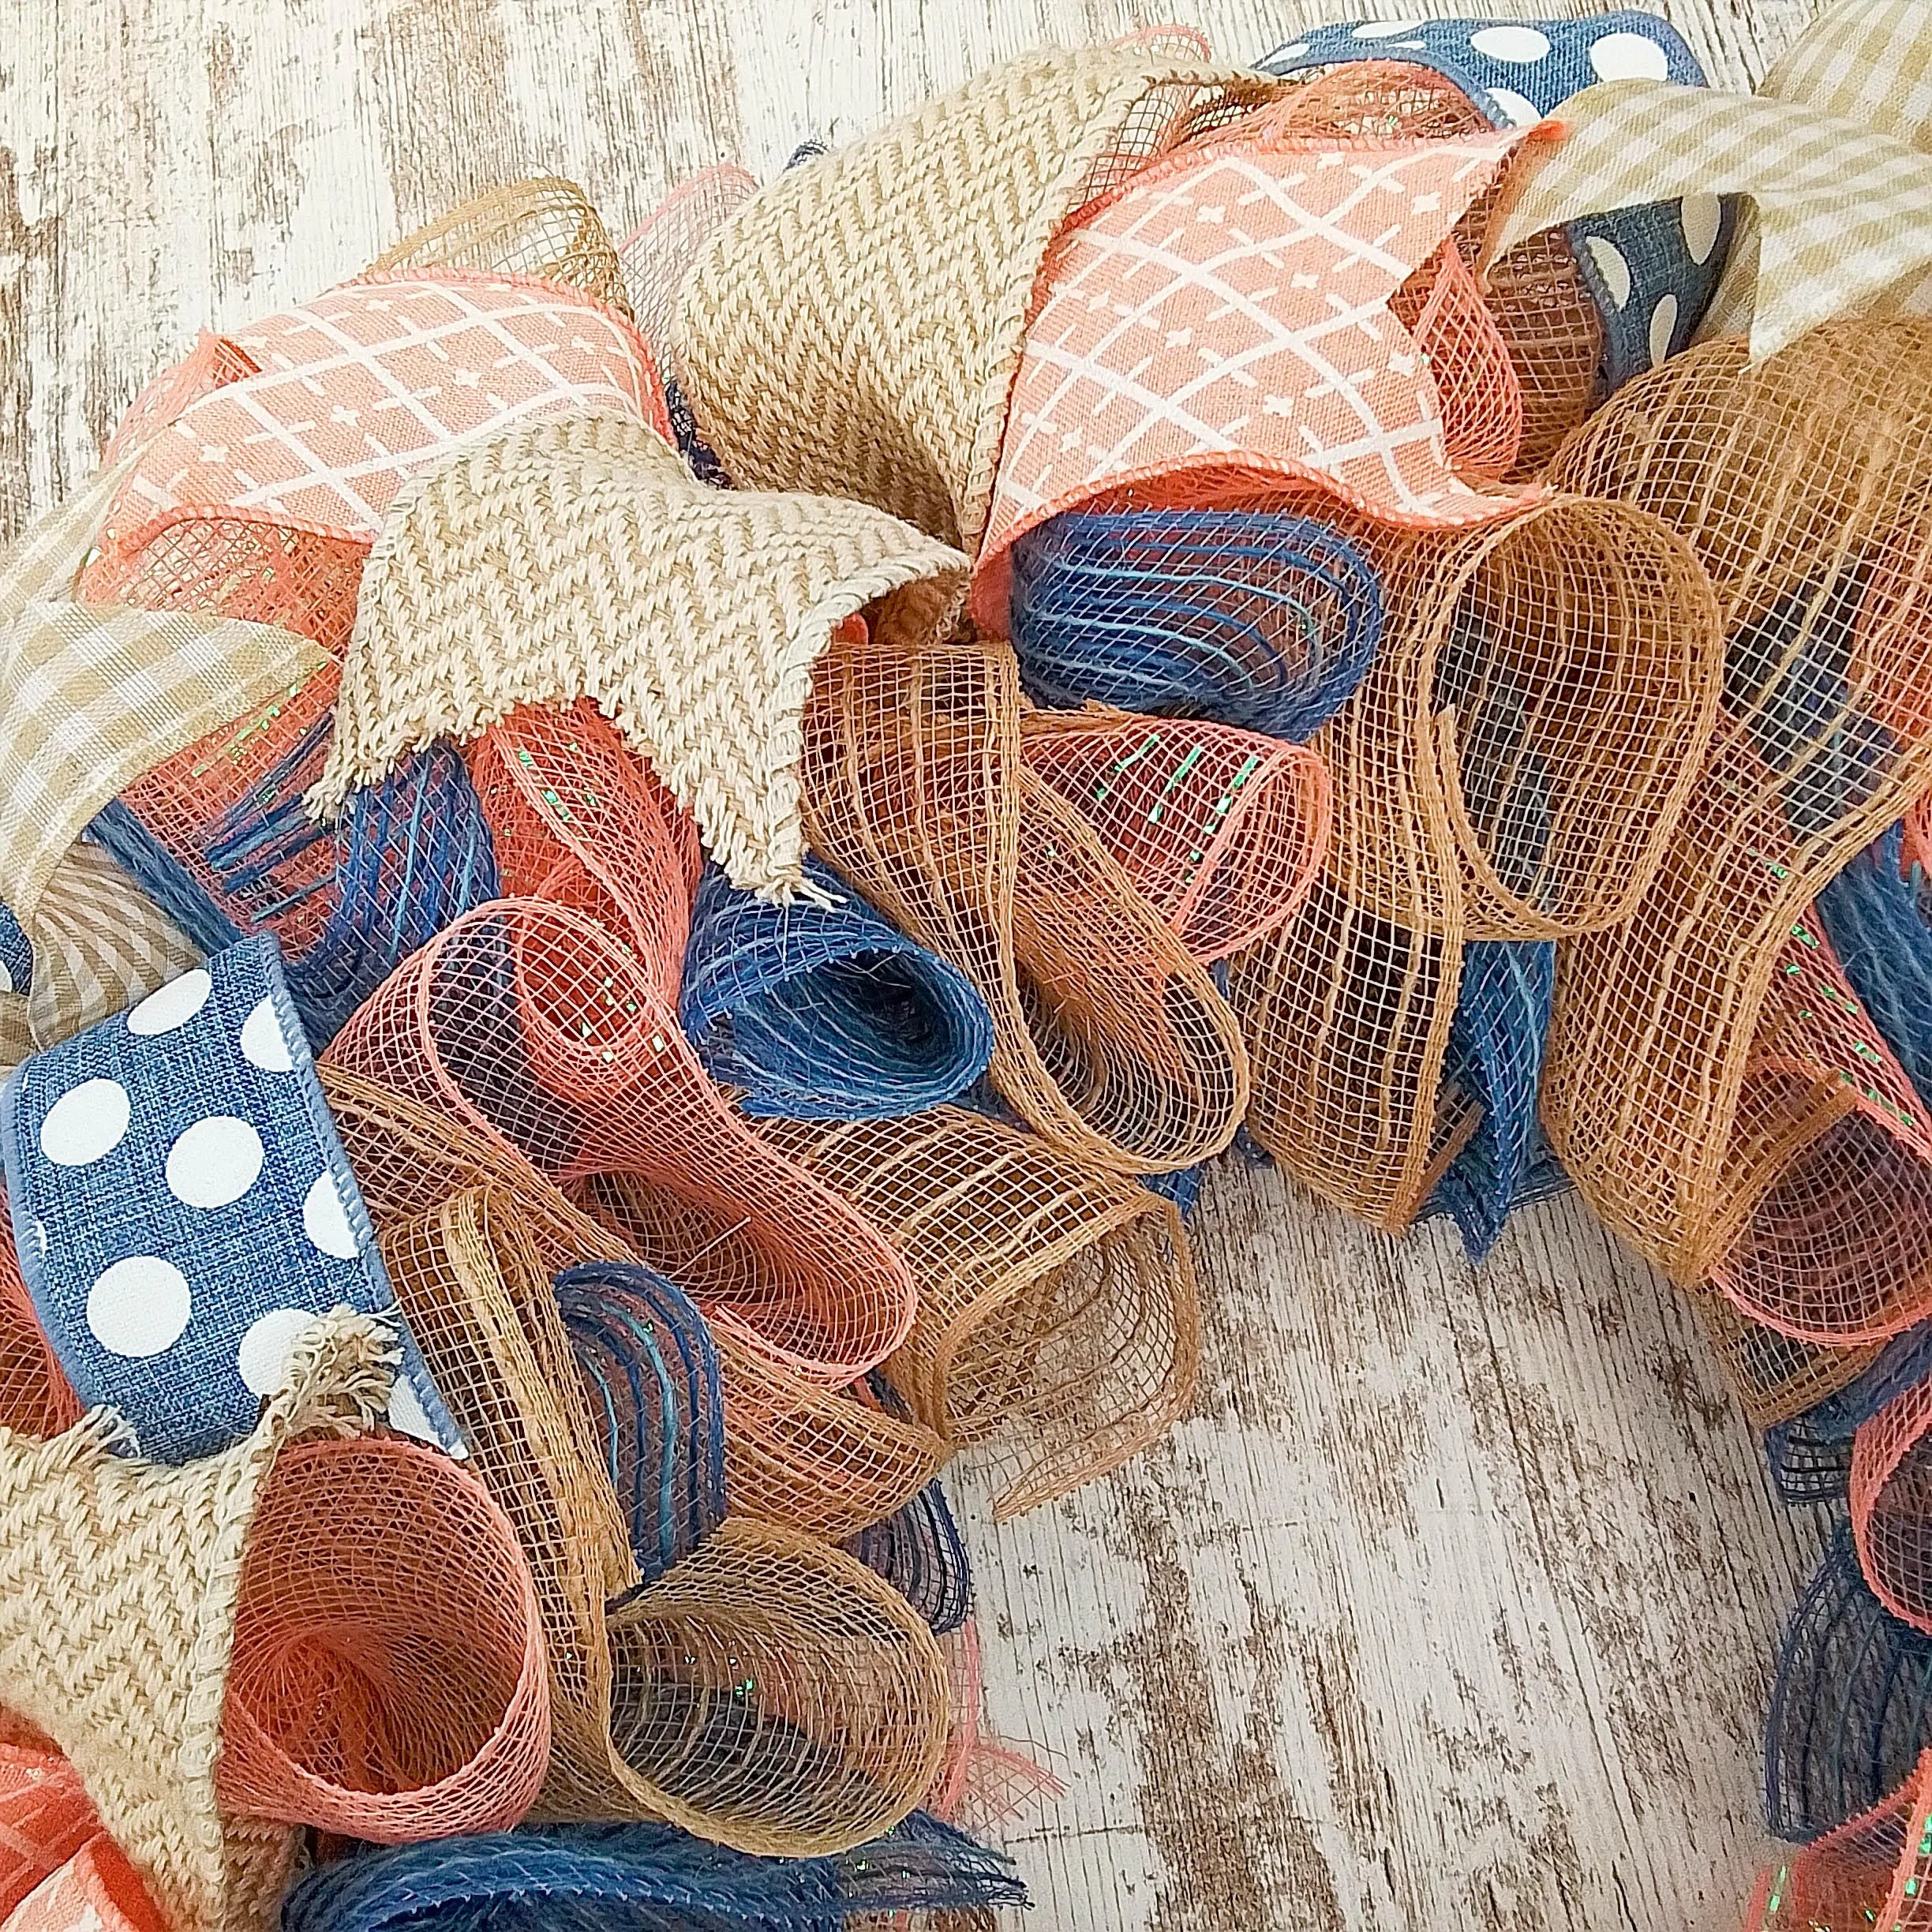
6 979
1290 53
1522 112
1381 30
84 1123
1702 215
326 1221
174 1005
139 1306
1611 266
1663 325
407 1414
1520 46
263 1356
215 1162
1629 57
263 1042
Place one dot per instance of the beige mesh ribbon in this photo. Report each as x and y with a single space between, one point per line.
118 1581
579 558
1513 767
796 1454
1758 1134
855 328
1056 1313
767 1692
1110 1038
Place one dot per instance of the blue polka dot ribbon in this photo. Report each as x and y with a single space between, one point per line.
16 953
183 1209
1651 270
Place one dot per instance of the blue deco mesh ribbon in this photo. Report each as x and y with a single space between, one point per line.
183 1209
1651 270
1852 1708
1247 617
1810 1455
648 1363
647 1879
411 853
16 953
1495 1057
824 1012
918 1550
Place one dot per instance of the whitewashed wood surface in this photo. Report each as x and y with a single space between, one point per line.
1454 1605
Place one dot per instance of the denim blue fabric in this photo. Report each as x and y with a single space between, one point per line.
411 853
1495 1056
16 953
1247 617
182 1209
1851 1707
1651 272
649 1366
646 1878
825 1012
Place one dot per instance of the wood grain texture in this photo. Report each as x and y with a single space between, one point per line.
1454 1604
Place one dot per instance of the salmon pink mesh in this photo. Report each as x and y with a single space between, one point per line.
985 1782
1758 1134
1875 1872
36 1398
388 1680
1512 769
797 1453
766 1691
1891 1499
657 252
1110 1039
531 1022
1221 831
1057 1312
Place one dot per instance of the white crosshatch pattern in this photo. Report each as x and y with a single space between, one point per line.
434 362
1238 307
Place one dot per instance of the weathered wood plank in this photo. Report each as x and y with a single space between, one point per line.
1455 1602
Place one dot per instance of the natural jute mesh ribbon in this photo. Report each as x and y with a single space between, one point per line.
1110 1038
578 558
1512 769
901 270
1222 831
767 1692
1760 1133
797 1453
543 227
1056 1311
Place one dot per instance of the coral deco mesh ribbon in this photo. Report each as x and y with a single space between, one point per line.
1765 1139
1513 768
183 1211
553 1030
348 1665
1171 354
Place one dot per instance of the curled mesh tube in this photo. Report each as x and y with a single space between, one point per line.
388 1679
825 1009
532 1024
1220 830
1057 1312
1891 1499
797 1453
1252 618
1110 1039
1852 1706
1875 1871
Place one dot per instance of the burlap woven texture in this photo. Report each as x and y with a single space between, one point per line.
855 326
118 1582
578 558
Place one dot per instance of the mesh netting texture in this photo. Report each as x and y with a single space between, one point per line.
715 883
